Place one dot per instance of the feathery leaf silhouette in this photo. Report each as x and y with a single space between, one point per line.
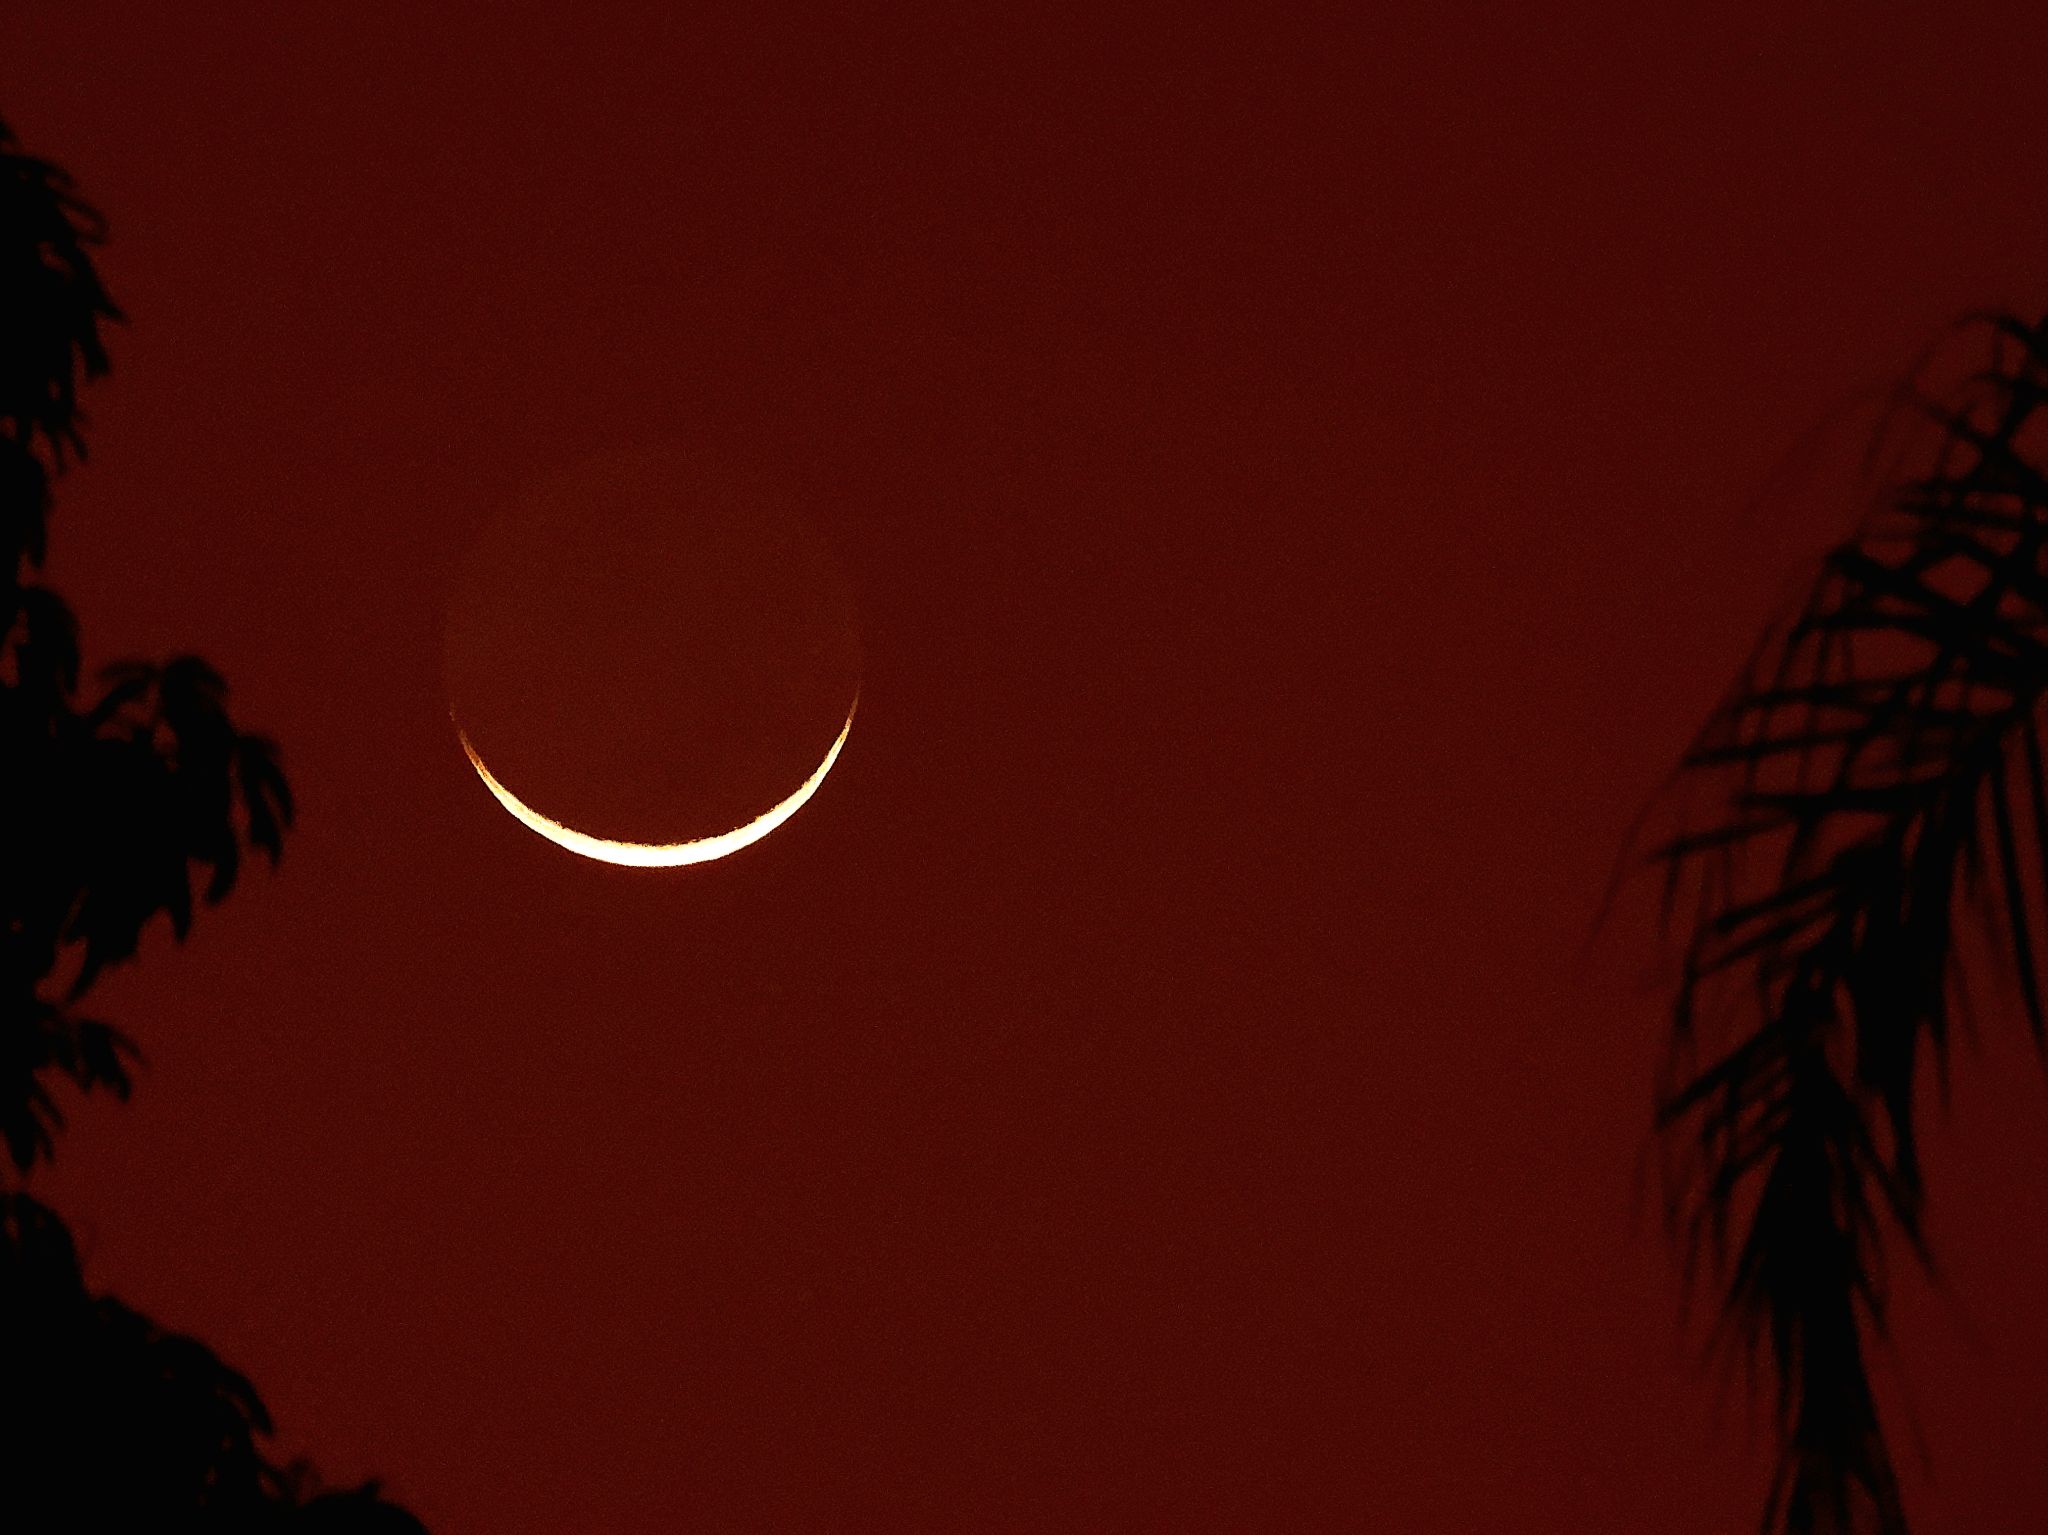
1875 772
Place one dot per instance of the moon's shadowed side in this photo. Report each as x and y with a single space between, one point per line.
651 650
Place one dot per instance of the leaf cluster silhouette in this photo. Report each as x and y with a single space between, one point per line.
115 810
1874 795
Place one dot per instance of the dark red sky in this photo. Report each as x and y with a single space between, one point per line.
1299 477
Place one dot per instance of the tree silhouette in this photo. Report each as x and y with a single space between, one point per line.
111 811
1873 798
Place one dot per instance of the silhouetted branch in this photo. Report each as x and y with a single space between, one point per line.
116 1424
52 305
109 812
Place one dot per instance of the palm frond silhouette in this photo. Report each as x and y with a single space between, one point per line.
1873 781
112 813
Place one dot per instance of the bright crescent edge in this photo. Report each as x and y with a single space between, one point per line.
659 855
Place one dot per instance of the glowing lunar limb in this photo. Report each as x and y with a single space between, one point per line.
659 855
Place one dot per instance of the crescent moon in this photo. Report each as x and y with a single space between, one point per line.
659 855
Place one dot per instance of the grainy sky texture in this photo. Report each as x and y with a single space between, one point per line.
1304 475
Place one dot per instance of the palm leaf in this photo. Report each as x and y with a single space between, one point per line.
1876 769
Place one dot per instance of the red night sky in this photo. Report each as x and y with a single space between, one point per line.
1304 477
